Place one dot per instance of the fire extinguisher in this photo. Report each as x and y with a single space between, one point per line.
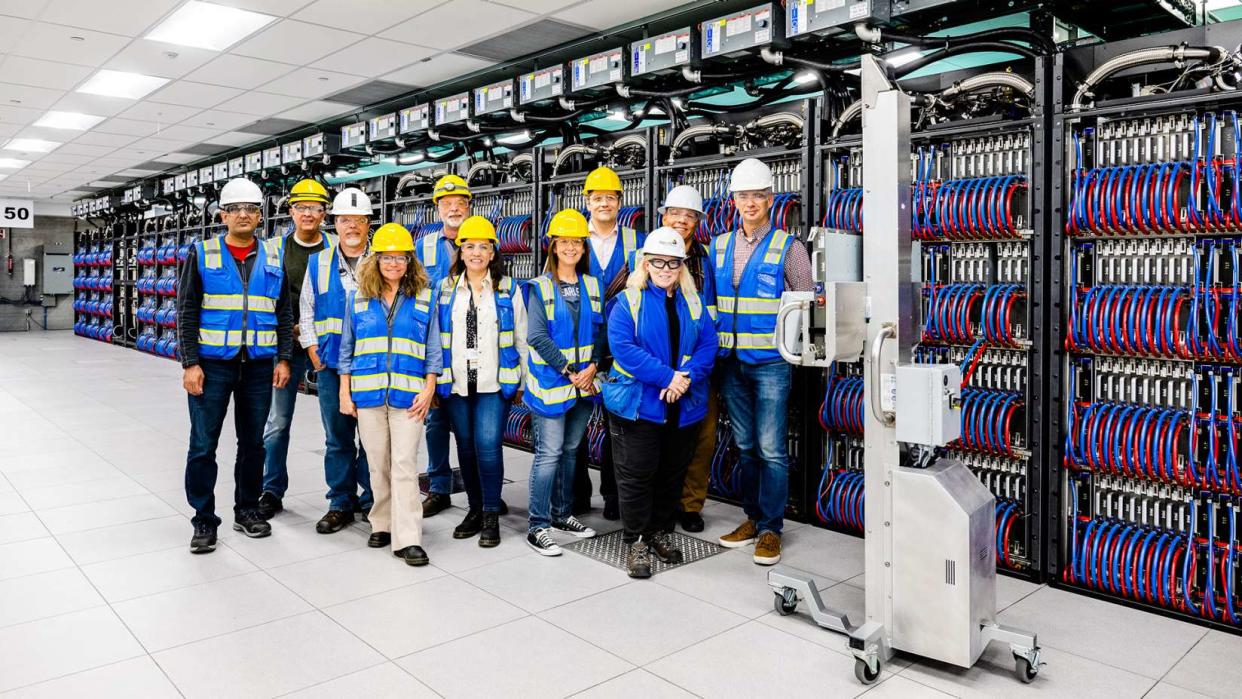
8 261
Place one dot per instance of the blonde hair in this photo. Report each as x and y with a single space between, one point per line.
638 279
371 282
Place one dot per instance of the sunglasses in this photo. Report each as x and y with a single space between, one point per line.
249 209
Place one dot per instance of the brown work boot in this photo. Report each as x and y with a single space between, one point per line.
742 536
768 549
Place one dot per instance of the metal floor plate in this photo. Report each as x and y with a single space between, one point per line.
610 549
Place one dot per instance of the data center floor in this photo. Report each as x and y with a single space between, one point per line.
99 596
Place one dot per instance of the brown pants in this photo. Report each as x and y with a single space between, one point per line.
391 440
694 492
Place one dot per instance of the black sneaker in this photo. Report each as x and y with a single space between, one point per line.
204 539
663 548
379 540
612 509
334 521
435 503
541 541
490 536
412 555
469 526
692 522
571 525
252 524
269 505
638 563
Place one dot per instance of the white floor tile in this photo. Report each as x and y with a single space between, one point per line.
730 580
458 556
898 687
138 677
95 515
115 485
267 660
386 680
49 648
63 472
517 663
1213 667
30 557
536 583
842 597
21 526
294 540
420 616
109 543
193 613
1063 675
622 621
635 683
371 571
160 571
1010 591
43 595
823 553
1164 690
12 503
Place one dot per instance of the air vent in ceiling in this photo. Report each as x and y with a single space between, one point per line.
369 93
532 38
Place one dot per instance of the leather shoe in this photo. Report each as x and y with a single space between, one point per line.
334 521
412 555
435 503
470 526
379 540
269 505
692 522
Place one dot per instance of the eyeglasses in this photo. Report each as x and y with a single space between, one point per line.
394 259
248 209
752 196
571 243
603 199
307 209
661 263
690 214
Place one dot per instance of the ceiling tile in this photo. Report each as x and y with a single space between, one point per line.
218 120
166 114
127 127
273 126
374 57
296 42
239 72
83 149
31 71
92 104
205 149
365 16
128 17
12 28
181 158
54 135
373 92
191 94
317 111
182 132
12 114
162 144
437 69
53 42
29 97
537 6
138 173
69 159
9 129
309 83
261 103
29 9
158 58
606 14
157 165
444 28
234 140
280 8
533 38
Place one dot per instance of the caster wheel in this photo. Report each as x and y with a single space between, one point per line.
1024 670
785 602
864 673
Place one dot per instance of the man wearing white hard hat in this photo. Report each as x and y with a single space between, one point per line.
235 339
331 274
663 344
753 267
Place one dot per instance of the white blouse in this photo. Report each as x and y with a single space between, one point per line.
488 339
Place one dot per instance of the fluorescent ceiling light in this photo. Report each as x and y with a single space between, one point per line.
13 163
522 137
68 120
804 78
2 176
411 158
31 145
206 26
116 83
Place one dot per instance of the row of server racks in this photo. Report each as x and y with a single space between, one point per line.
1081 260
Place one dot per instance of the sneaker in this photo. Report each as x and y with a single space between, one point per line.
379 540
742 536
571 525
334 521
638 563
269 505
768 549
692 522
204 539
490 534
663 548
413 556
435 503
612 509
469 526
252 524
542 542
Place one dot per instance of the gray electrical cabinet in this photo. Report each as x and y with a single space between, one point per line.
57 273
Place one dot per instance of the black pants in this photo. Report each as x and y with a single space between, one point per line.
651 463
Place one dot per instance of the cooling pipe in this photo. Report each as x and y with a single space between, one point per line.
1155 54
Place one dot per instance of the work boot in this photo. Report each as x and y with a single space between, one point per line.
204 539
742 536
768 549
435 503
663 548
490 534
379 540
334 521
470 525
638 563
692 522
252 524
412 555
269 505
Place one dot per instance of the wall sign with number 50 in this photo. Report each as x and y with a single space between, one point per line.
16 213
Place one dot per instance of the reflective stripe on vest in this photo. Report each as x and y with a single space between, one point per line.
508 372
388 361
549 393
746 315
236 313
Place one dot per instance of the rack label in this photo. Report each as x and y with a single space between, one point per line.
17 213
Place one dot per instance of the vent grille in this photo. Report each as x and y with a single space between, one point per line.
950 572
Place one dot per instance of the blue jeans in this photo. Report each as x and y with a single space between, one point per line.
478 424
249 384
552 470
439 471
344 462
756 396
276 432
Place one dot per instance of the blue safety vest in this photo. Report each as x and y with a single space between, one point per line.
510 370
436 253
633 399
389 364
329 295
235 313
548 393
746 316
630 242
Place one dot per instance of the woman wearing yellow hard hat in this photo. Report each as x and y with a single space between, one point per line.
389 361
482 321
565 337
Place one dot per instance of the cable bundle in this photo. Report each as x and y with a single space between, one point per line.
842 499
975 208
514 234
844 210
725 478
1128 440
842 409
952 315
1142 320
1008 513
147 253
987 417
720 217
630 217
597 429
518 427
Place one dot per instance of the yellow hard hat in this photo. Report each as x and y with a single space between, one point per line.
602 179
450 184
568 223
308 190
392 237
476 228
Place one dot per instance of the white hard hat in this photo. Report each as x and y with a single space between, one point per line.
750 175
351 202
683 196
240 191
664 241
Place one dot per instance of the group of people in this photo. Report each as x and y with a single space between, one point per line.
432 337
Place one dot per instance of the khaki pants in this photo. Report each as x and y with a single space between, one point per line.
391 440
694 492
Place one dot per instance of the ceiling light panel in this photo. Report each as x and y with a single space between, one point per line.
68 120
31 145
13 163
115 83
208 26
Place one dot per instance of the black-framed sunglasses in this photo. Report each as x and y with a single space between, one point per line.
659 263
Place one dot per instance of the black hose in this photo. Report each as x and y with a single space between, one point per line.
980 47
1009 33
837 68
655 94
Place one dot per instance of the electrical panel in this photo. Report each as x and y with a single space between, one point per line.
497 97
254 162
57 273
206 175
271 157
665 53
318 145
354 135
541 85
743 32
415 119
237 167
597 70
450 110
168 185
291 152
180 181
191 179
221 172
827 17
382 128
